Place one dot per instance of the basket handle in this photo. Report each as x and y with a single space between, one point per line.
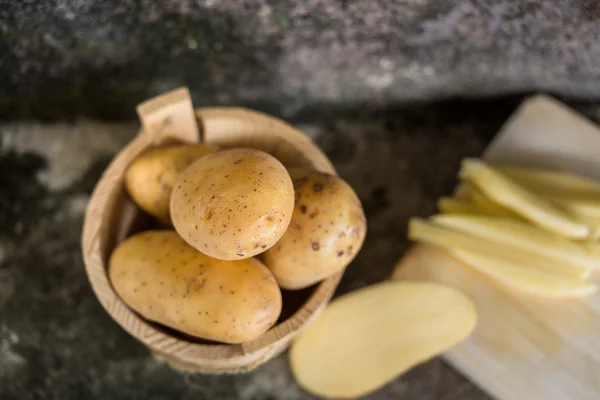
169 116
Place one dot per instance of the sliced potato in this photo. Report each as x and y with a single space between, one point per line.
580 207
488 207
449 205
520 235
578 195
582 213
366 338
420 230
530 279
593 250
552 182
508 193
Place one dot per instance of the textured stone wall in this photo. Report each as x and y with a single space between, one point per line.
101 57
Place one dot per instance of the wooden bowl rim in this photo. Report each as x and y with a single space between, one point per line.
164 343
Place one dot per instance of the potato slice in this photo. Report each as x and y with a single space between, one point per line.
520 235
366 338
488 206
593 251
552 182
580 207
524 202
420 230
449 205
527 278
577 194
582 213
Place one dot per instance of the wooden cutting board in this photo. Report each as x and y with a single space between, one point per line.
525 347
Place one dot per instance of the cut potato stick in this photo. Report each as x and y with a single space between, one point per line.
423 231
526 278
449 205
578 206
552 182
593 223
508 193
593 250
488 206
520 235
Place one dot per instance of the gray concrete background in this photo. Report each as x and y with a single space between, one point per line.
65 58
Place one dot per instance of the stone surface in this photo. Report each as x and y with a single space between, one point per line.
56 342
63 58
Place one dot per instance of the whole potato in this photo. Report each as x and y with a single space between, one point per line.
150 178
328 228
233 204
166 280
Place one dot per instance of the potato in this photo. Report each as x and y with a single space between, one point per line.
328 228
150 178
366 338
233 204
167 281
519 199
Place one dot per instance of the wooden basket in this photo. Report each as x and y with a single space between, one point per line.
111 217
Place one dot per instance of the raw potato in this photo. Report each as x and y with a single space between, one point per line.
368 337
524 202
593 250
478 205
449 239
548 182
577 194
526 278
165 280
581 207
520 235
233 204
591 219
327 230
449 205
150 178
488 207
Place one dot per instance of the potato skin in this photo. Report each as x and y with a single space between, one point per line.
150 178
233 204
167 281
327 230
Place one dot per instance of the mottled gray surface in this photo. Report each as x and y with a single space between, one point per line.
101 57
56 342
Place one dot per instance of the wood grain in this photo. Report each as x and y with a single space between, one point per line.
526 347
169 116
110 216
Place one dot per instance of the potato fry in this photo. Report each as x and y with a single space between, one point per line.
420 230
488 206
449 205
527 278
518 234
508 193
580 207
593 250
550 182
